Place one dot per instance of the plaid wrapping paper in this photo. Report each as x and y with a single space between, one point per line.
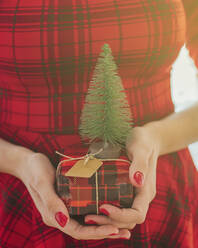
79 194
48 49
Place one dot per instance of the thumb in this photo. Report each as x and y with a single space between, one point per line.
51 207
138 169
56 213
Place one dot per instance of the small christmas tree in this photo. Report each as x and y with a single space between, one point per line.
106 114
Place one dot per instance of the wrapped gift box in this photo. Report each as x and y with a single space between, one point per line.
110 184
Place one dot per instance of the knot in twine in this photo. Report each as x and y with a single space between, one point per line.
86 158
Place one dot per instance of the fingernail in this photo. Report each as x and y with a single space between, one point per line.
61 219
113 234
104 211
139 177
91 222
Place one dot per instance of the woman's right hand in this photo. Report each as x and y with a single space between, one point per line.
38 175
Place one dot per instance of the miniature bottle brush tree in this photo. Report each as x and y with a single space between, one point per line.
106 118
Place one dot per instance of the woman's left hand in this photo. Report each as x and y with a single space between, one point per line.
143 150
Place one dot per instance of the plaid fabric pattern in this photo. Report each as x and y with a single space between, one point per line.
48 49
112 186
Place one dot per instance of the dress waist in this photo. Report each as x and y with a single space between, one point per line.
60 114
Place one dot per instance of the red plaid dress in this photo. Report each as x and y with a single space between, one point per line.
48 50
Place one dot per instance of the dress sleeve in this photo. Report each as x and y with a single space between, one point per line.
191 10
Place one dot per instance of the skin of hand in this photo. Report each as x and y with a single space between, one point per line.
144 145
38 175
142 148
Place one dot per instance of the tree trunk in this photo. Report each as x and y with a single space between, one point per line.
109 151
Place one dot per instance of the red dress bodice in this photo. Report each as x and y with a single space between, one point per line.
49 51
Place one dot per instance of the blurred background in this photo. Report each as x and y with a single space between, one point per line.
184 84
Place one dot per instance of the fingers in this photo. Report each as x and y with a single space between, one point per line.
143 166
123 218
128 218
139 167
141 147
142 173
103 220
79 232
39 179
54 213
40 184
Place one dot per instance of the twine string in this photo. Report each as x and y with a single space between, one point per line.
89 156
97 194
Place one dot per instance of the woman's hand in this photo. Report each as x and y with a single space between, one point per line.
39 176
143 150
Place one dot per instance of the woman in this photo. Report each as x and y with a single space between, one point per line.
48 52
